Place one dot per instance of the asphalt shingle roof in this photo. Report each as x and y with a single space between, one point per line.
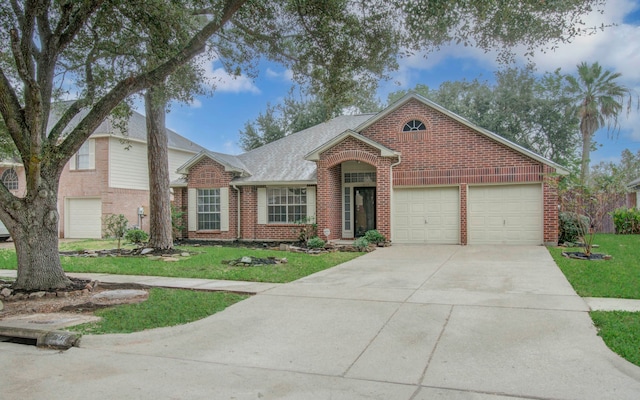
283 160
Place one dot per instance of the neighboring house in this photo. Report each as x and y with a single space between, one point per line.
633 197
416 172
108 175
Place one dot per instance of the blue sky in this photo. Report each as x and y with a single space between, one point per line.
214 121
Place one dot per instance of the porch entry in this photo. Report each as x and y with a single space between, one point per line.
358 199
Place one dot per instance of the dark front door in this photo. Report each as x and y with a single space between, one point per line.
364 209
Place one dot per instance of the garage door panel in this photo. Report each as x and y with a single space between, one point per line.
426 215
84 219
510 214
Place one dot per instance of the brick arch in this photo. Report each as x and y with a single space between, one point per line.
413 136
351 155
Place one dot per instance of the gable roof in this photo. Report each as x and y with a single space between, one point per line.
289 161
283 161
136 129
314 155
414 96
229 162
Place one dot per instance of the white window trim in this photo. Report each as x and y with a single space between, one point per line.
73 162
192 209
263 206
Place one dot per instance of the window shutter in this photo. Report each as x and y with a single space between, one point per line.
262 205
92 154
192 210
311 204
224 209
72 162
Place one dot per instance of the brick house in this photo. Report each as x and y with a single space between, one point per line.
108 175
415 171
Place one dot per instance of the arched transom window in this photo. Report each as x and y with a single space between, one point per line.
10 179
414 125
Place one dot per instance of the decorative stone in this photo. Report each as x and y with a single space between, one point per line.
246 260
170 259
146 251
284 247
283 261
6 292
36 295
185 254
154 258
1 305
120 294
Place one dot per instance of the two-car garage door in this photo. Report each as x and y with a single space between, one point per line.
500 214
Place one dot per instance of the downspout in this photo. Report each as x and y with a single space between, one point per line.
391 192
238 236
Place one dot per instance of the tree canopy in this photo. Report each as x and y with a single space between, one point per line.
91 51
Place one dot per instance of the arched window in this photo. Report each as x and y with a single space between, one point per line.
10 179
414 125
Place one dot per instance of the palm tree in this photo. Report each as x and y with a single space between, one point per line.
598 100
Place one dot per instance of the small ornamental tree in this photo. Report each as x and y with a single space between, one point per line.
115 226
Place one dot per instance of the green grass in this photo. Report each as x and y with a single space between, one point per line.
620 331
169 307
618 277
206 263
164 307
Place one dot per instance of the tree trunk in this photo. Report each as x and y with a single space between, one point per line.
160 229
34 228
586 150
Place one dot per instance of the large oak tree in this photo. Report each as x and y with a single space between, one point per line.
88 47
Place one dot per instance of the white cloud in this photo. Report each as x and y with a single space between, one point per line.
286 75
195 103
225 82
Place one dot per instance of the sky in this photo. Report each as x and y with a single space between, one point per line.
214 121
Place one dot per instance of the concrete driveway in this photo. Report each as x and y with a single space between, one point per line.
405 322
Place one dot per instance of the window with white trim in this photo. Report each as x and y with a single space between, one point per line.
82 156
286 205
208 201
10 179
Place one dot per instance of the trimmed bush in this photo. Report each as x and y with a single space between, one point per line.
315 243
626 220
373 236
572 227
137 236
361 243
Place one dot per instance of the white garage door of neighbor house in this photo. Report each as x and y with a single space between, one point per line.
84 217
510 214
426 215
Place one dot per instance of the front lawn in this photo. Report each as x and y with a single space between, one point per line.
164 307
617 278
205 263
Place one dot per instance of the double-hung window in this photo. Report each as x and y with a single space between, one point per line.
208 209
82 156
286 205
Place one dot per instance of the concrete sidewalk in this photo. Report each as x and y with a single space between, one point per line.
405 322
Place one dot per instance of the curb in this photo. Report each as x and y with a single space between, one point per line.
60 340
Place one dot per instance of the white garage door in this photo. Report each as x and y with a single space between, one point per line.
510 214
426 215
84 218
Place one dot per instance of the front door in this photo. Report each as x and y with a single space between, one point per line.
364 209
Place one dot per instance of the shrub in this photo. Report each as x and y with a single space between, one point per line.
572 226
361 243
373 236
137 236
177 222
626 220
308 229
115 226
315 243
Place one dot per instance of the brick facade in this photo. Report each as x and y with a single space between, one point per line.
447 153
